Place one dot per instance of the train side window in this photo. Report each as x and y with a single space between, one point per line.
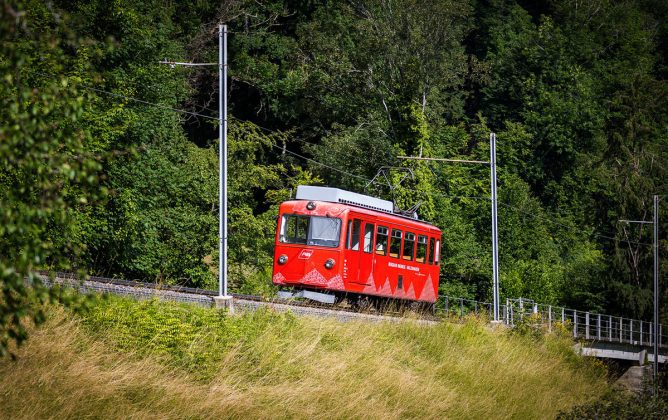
437 252
354 234
381 240
395 243
421 252
409 246
431 251
368 237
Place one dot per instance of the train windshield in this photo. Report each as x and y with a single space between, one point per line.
310 230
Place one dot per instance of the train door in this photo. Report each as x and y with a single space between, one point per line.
366 254
359 246
352 253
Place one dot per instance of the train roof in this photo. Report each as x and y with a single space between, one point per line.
335 195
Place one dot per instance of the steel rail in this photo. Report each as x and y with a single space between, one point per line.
213 293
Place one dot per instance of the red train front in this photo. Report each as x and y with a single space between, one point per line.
331 242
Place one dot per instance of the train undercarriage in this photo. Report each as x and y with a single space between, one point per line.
357 301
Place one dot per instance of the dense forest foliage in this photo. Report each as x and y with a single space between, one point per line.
108 159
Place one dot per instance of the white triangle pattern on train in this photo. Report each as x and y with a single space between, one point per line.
336 283
410 292
386 290
315 278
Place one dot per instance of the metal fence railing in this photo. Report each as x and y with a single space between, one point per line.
583 324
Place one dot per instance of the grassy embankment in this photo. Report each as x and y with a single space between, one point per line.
149 359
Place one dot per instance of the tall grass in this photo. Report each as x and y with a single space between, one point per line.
151 359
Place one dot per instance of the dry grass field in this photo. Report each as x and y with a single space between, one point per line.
158 360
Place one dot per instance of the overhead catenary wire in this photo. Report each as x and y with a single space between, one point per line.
321 164
276 146
367 180
216 119
182 111
169 108
532 215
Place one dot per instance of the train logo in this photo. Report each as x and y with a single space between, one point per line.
305 254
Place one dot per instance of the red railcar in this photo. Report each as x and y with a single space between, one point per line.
331 242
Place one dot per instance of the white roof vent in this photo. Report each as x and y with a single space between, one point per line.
335 195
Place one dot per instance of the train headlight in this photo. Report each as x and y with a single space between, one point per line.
310 205
282 259
329 264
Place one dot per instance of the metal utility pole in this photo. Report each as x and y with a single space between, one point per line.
495 230
223 300
655 326
222 161
655 221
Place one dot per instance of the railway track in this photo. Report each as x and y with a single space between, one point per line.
204 297
584 325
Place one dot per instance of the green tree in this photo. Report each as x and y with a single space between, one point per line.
46 174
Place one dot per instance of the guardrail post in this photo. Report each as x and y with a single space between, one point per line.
610 328
587 325
549 318
575 324
630 331
598 328
641 332
563 316
651 332
621 322
461 307
475 303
